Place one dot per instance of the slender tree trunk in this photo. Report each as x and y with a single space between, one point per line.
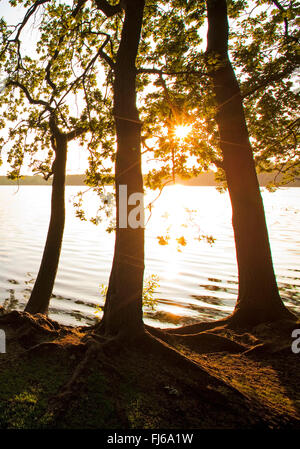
42 290
123 307
258 298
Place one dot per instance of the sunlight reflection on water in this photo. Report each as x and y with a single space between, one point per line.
197 280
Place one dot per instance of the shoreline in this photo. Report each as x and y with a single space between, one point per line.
203 180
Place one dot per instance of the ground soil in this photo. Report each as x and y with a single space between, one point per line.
55 376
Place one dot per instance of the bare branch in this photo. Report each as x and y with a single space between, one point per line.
143 141
150 205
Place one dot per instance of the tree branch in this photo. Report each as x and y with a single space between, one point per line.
107 9
78 7
167 95
161 72
265 81
27 16
285 20
75 133
28 96
281 8
104 55
89 66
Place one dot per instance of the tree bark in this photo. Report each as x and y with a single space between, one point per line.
123 306
258 296
42 290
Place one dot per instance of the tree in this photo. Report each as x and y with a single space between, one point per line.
258 297
42 290
123 306
46 84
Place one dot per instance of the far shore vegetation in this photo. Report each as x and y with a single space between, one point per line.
204 179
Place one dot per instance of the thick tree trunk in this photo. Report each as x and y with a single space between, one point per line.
123 307
42 290
258 298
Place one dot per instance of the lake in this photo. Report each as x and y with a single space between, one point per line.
197 278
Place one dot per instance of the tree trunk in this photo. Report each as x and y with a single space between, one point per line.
123 306
258 297
42 290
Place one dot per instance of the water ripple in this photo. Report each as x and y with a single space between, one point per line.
200 282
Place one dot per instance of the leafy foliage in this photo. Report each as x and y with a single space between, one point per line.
263 46
76 47
151 284
58 75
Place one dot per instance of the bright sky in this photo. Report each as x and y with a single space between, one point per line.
12 15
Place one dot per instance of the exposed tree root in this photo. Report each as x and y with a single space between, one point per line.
264 338
173 351
172 356
53 346
237 320
275 338
264 349
205 342
22 321
242 318
28 330
210 387
202 342
94 351
198 327
61 401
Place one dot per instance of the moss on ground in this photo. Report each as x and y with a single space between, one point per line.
26 385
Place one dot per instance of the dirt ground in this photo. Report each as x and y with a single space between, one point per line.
55 376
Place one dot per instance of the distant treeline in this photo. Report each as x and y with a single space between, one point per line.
72 180
208 179
205 179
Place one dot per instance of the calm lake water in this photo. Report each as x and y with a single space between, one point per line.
196 280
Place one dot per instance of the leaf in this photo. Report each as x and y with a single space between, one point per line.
181 241
163 240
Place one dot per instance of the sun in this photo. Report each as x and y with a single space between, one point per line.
182 131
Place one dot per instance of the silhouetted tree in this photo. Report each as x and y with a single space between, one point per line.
46 84
42 290
123 306
258 298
